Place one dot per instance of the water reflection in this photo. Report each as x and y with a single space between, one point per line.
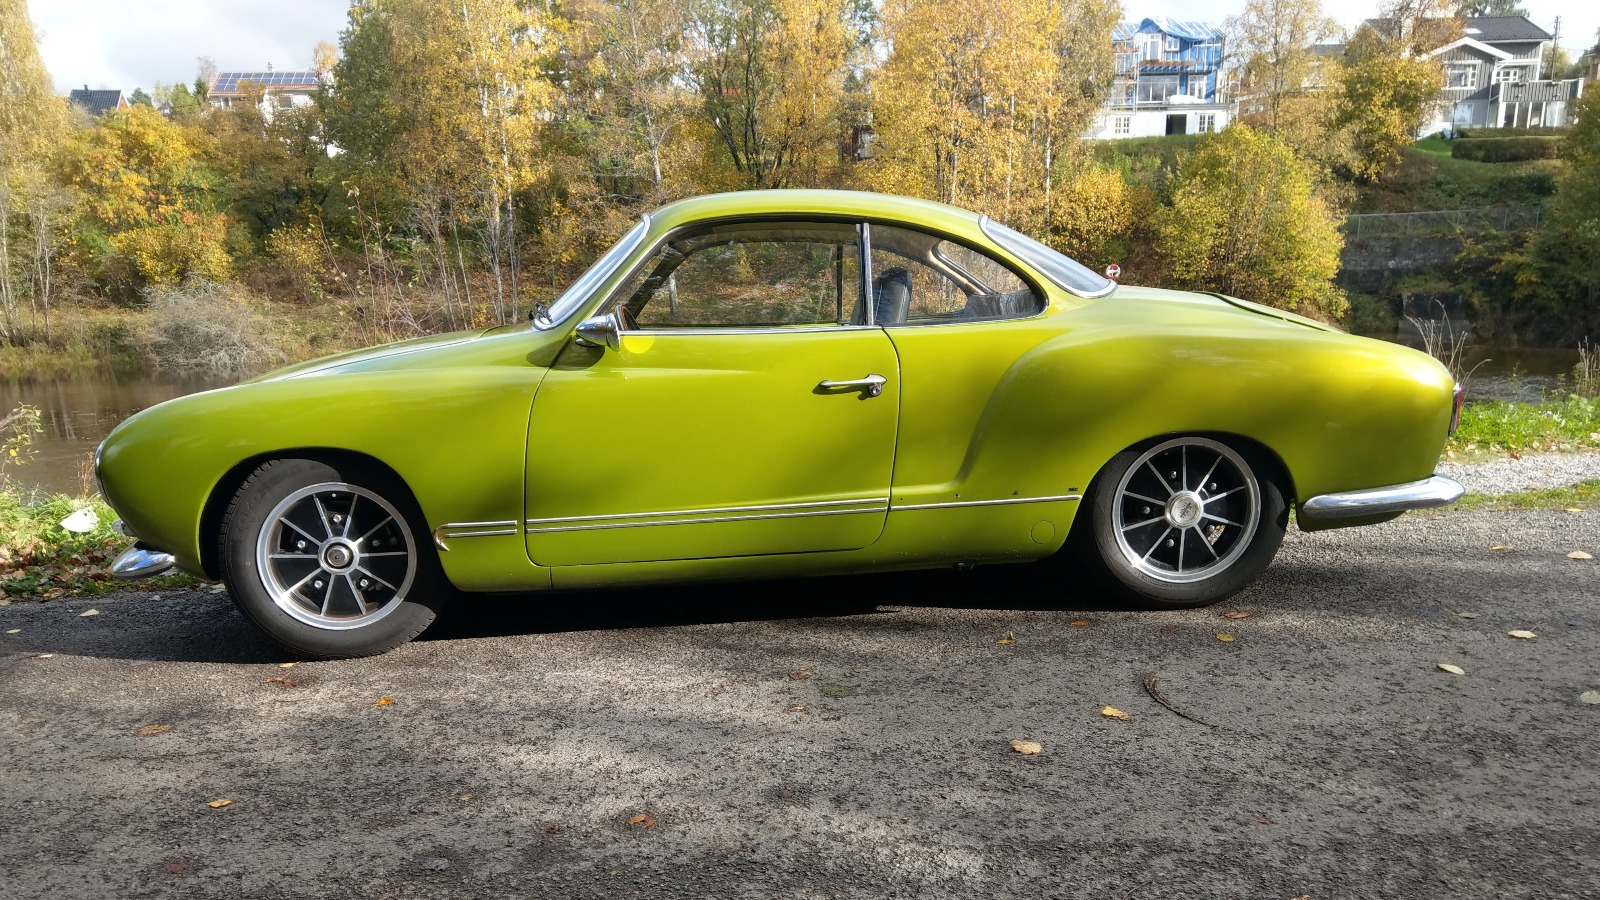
76 412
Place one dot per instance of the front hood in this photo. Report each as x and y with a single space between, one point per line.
367 354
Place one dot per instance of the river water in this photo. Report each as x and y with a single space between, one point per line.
77 411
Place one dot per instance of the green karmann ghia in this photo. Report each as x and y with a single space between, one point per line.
781 383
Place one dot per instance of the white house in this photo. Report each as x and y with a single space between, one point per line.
1167 80
277 89
1495 78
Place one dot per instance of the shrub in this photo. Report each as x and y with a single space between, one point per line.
208 327
1512 132
1506 149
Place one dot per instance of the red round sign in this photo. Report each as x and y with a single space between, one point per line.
1113 271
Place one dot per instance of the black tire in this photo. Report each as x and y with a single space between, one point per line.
331 562
1158 540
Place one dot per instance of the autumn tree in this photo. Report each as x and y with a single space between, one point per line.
1246 220
1284 76
1565 267
1386 95
32 209
984 104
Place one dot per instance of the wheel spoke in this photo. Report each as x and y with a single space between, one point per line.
1144 523
356 593
1203 542
1181 542
1209 473
1224 493
375 528
1222 520
1160 478
308 535
1144 498
291 556
385 553
327 597
1183 469
370 574
350 515
322 514
1157 545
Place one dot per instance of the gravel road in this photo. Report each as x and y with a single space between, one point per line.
843 738
1527 473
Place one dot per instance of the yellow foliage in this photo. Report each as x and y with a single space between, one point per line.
169 253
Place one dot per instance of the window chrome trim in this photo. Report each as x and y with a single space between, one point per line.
712 520
744 329
584 289
1005 501
996 232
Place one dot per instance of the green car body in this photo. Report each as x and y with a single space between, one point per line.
540 461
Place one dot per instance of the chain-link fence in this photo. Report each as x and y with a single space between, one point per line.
1442 222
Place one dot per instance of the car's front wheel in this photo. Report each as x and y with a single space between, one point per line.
1182 522
329 562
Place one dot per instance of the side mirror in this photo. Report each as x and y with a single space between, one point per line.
601 331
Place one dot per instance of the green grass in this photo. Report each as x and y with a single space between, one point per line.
40 559
1583 495
1435 145
1503 426
1428 178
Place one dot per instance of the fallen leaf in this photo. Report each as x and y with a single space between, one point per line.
800 674
1590 697
434 864
798 707
44 656
287 665
1499 547
286 681
1515 455
1453 670
1079 623
149 730
1467 615
551 829
1525 635
13 631
177 865
220 802
384 701
643 820
218 589
88 612
1572 509
1263 820
1225 638
1236 615
1111 712
1578 554
1005 640
1027 748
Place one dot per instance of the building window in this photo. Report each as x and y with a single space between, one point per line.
1157 89
1205 123
1126 62
1462 76
1172 45
1511 74
1122 126
1129 96
1152 46
1197 86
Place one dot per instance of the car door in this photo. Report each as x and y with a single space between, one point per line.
744 410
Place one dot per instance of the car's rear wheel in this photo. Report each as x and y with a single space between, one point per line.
1182 522
329 562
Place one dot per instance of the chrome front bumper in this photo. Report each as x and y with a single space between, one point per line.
1396 498
141 562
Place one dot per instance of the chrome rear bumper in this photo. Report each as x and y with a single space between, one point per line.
141 562
1425 494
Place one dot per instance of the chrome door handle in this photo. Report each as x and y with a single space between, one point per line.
872 385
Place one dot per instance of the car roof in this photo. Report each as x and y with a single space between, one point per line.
855 204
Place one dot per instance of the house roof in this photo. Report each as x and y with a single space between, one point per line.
1475 44
96 101
1504 28
1327 50
229 82
1188 30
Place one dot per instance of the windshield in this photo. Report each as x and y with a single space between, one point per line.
1067 273
585 286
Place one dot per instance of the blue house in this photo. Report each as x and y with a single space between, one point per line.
1168 80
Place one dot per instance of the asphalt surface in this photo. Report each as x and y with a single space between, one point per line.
843 738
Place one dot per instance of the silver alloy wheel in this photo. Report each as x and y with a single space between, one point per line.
1186 510
336 556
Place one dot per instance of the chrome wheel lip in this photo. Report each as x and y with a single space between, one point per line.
1178 498
281 594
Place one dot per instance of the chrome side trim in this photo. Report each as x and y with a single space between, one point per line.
1006 501
141 562
707 520
881 501
1425 494
449 531
508 523
749 329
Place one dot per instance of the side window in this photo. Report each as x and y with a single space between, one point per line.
922 279
765 274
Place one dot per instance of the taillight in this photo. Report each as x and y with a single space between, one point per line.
1455 410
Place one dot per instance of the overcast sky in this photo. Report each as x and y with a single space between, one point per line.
135 43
